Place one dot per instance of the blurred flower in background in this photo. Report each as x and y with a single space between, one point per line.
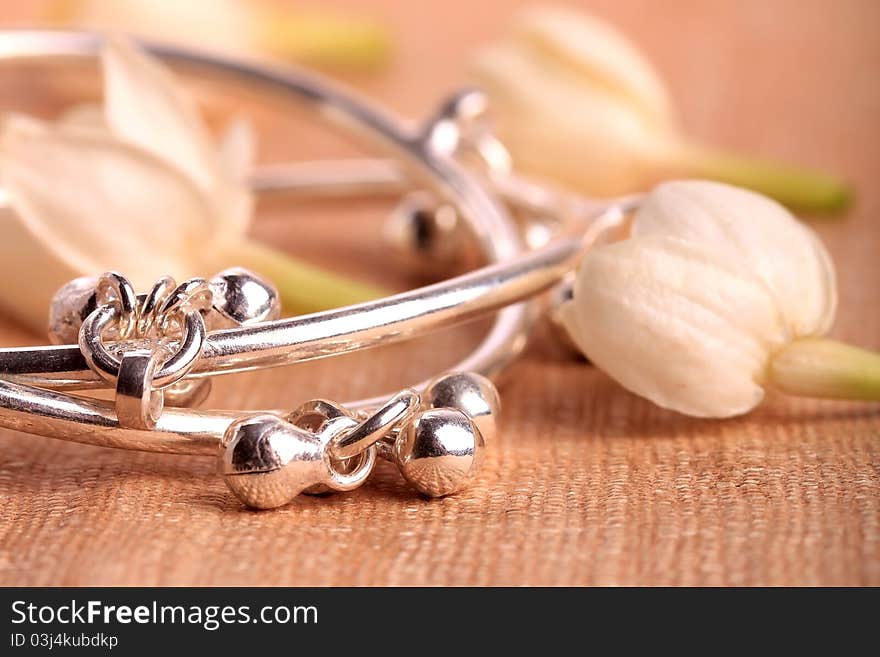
309 36
577 103
137 185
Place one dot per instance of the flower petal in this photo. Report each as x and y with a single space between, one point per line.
682 325
145 106
238 148
559 128
30 273
598 55
97 204
84 117
758 232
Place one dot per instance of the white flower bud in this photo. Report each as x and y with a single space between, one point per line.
690 309
577 103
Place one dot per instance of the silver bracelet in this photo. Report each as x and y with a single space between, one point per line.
162 345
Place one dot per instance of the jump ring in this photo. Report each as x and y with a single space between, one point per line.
191 343
352 473
190 296
91 342
314 414
345 474
114 289
397 410
149 307
138 404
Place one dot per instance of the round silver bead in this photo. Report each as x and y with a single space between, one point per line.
439 452
471 393
71 304
424 234
241 297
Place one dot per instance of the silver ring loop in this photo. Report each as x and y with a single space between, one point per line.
138 404
398 409
346 474
149 307
314 414
353 477
190 296
187 355
114 289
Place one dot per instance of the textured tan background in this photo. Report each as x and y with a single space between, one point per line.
587 484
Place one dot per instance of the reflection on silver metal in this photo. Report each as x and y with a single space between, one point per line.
100 359
267 461
72 303
439 452
138 404
461 129
149 307
424 234
114 290
398 410
167 311
313 416
242 298
187 393
471 393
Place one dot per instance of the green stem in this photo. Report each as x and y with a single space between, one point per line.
798 188
303 288
323 40
815 367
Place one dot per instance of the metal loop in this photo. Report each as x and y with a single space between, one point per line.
188 351
106 365
314 414
114 289
138 404
190 296
345 474
460 129
397 410
148 309
348 474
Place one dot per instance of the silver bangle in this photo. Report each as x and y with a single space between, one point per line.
434 432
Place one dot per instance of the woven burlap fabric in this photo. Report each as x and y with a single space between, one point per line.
586 484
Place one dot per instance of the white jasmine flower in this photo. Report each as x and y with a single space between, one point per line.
576 102
716 294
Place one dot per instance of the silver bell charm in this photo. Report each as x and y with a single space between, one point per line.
267 461
439 452
424 234
240 297
471 393
71 304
